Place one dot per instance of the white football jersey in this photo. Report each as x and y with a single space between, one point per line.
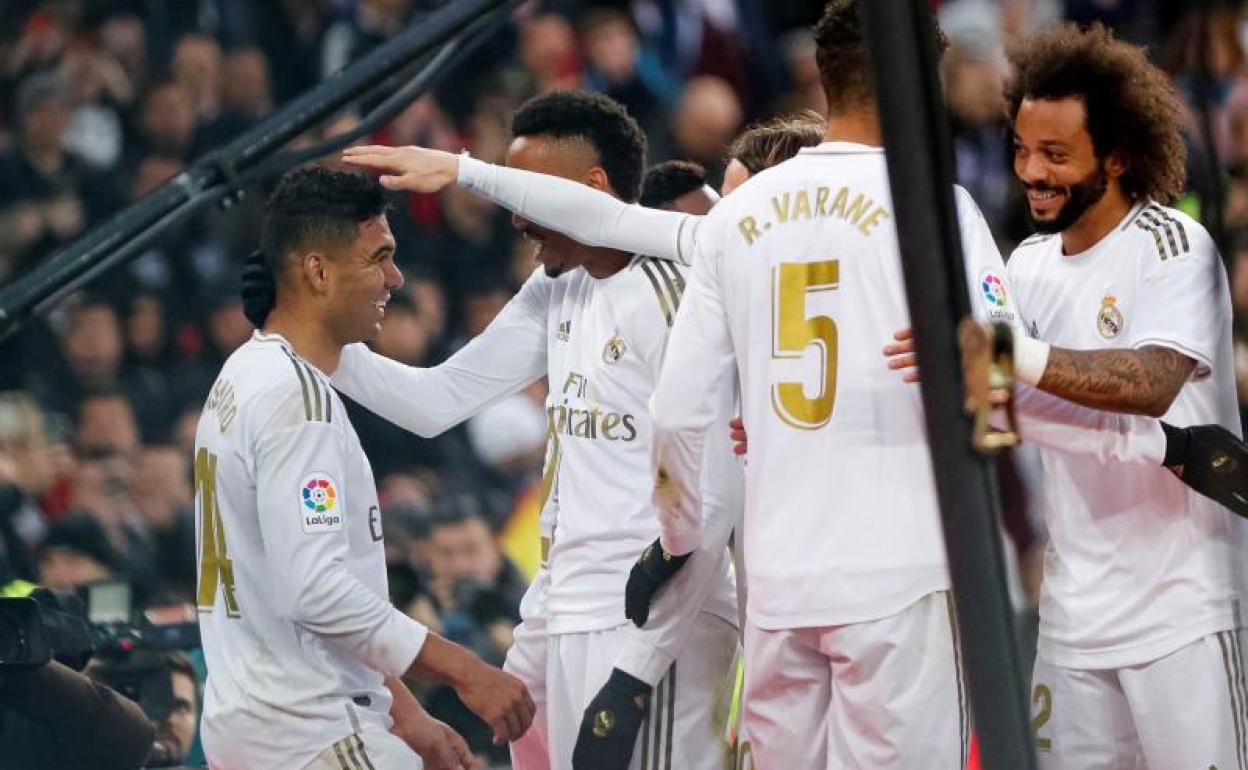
797 278
298 630
600 342
1138 565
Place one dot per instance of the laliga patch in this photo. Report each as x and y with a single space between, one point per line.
319 504
993 293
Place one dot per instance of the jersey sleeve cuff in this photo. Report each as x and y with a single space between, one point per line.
643 660
470 170
399 642
1203 358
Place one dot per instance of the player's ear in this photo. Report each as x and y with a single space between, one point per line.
596 178
315 268
1115 165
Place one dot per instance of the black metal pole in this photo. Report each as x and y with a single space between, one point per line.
920 167
184 194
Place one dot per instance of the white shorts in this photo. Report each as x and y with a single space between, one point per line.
1186 710
526 660
886 694
684 728
372 748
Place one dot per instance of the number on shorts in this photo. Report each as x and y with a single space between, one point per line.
215 568
1044 696
793 332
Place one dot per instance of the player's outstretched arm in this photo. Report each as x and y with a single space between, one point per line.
576 210
506 357
500 699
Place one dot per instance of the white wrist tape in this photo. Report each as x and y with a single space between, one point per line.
1031 356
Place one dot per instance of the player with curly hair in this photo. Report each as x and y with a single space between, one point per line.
1139 608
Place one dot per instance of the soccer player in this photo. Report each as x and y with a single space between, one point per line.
677 185
596 320
1140 600
851 659
304 651
646 655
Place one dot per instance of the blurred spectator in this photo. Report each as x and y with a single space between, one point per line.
371 23
705 122
477 593
197 69
246 97
92 347
168 121
160 486
805 91
122 38
43 187
28 468
482 302
548 51
402 337
99 91
106 424
76 552
618 67
983 148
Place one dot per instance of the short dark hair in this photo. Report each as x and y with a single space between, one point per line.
1131 105
667 181
600 121
843 58
317 206
763 145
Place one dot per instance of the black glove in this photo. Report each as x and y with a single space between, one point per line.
259 289
609 728
654 568
1211 460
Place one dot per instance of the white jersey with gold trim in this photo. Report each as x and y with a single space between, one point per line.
1138 565
797 284
609 340
298 631
600 342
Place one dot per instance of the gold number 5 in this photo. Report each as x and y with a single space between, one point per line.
215 568
793 332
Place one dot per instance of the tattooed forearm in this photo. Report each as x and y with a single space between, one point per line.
1143 381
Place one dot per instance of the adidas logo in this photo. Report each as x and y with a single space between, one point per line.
563 331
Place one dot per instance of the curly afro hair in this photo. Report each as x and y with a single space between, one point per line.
597 119
1132 107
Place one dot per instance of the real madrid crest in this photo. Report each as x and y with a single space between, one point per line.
1109 320
613 350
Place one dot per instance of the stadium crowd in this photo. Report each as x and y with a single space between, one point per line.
101 102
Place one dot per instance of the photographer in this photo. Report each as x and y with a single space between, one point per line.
53 717
476 595
165 687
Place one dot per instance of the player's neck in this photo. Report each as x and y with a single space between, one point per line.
1097 222
308 336
604 263
859 125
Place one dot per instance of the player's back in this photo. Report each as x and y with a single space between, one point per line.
841 516
276 693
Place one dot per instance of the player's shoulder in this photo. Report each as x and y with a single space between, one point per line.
1032 249
1165 234
653 293
272 384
